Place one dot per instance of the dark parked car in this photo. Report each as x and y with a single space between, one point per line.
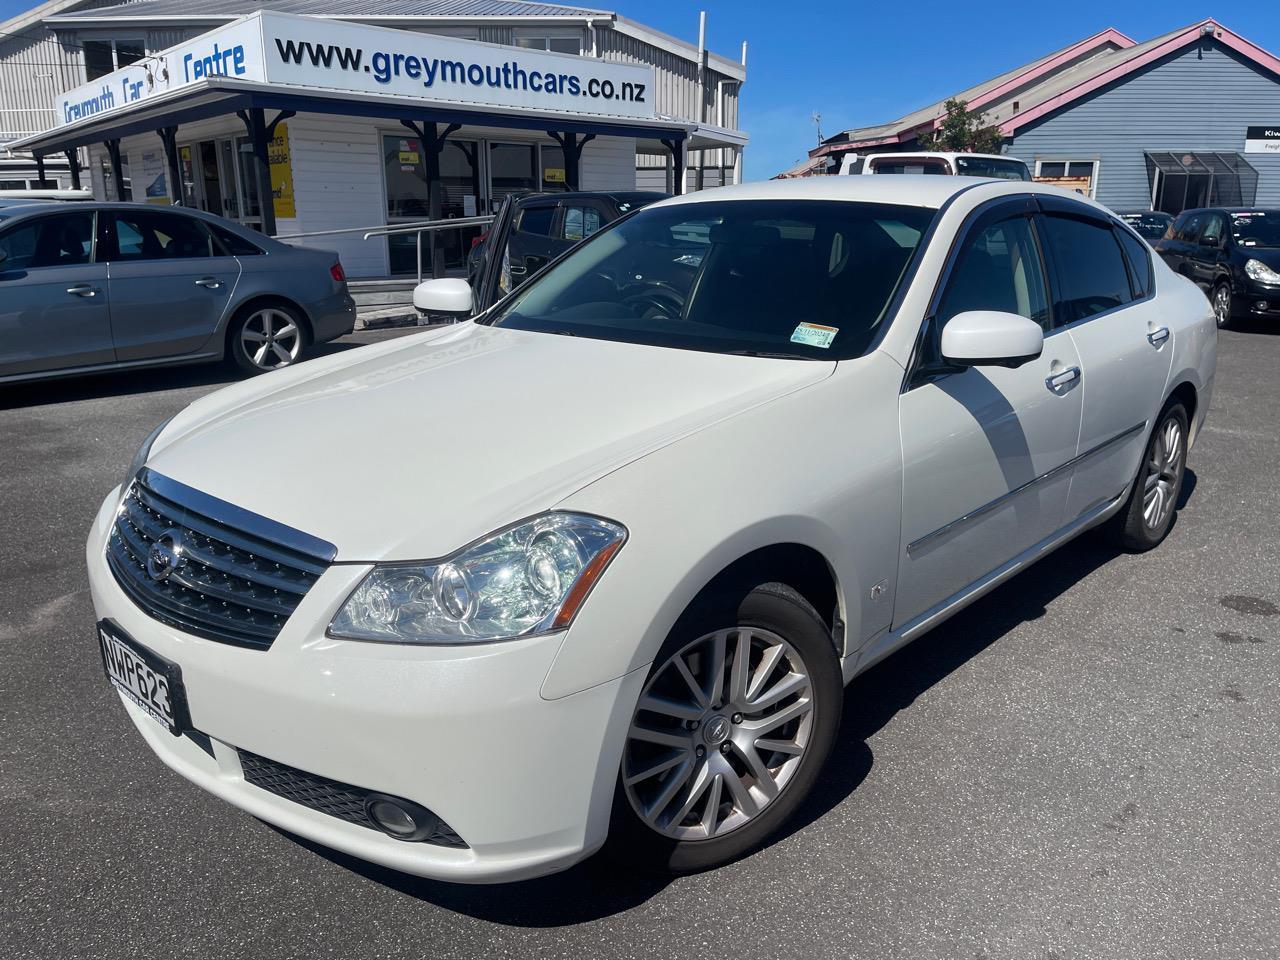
1233 254
535 228
95 286
1150 224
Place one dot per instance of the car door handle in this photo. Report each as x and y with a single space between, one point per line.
1158 336
83 290
209 283
1058 380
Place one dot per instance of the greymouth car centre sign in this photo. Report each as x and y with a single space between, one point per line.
295 51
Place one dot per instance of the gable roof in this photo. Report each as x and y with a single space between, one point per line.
1028 93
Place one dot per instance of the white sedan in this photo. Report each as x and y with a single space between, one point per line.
595 567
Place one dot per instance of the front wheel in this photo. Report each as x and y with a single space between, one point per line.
734 723
1148 514
1222 305
265 338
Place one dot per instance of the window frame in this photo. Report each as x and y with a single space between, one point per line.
547 34
1147 251
920 371
1061 206
1095 172
94 235
113 42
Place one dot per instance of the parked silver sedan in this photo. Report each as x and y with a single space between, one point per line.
99 286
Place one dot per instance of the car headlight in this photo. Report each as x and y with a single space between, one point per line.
140 458
1257 270
526 579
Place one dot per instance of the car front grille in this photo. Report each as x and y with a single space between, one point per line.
208 567
331 797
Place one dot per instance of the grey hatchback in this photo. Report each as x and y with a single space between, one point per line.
96 286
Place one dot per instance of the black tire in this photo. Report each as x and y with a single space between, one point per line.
260 315
1130 529
781 611
1223 304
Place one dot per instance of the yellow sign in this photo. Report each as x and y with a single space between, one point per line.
553 175
409 158
281 174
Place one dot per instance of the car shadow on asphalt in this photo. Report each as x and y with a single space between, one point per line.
121 383
597 888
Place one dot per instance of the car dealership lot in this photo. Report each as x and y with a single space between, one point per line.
1083 764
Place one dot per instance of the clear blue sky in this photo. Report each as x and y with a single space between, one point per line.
857 63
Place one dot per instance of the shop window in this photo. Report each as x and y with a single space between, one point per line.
104 56
571 45
13 184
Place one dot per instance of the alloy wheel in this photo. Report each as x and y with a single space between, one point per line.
270 338
1164 470
720 730
1222 305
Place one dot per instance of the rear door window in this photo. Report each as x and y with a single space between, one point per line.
1090 269
60 240
580 221
537 220
147 235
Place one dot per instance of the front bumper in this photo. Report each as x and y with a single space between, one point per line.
1253 299
526 782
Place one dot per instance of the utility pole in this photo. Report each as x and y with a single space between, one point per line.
817 122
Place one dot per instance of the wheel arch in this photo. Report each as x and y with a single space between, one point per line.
253 302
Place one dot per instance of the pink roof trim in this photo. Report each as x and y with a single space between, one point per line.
1190 35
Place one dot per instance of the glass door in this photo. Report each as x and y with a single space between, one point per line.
512 169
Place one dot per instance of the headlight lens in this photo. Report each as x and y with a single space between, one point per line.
140 458
1257 270
526 579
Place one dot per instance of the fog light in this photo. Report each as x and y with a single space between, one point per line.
400 818
1262 305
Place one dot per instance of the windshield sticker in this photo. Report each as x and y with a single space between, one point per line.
814 335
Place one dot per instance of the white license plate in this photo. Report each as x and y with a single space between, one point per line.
146 678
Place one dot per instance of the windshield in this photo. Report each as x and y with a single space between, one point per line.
1257 228
807 279
1150 226
992 167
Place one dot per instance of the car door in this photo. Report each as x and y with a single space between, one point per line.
987 450
171 283
1186 240
1102 285
54 311
1206 265
533 242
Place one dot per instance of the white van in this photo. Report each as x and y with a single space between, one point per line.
945 164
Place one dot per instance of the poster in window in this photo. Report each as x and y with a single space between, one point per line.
156 189
553 175
1081 185
281 174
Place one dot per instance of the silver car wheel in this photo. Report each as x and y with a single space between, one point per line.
719 732
1163 473
1222 304
270 338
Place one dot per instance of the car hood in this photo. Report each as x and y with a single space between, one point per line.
412 449
1268 255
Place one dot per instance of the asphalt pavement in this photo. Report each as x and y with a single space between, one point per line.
1085 764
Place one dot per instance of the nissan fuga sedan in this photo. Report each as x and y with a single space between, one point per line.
684 485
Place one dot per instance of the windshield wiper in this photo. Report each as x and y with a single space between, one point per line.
767 354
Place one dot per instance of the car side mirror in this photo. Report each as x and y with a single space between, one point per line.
450 296
979 338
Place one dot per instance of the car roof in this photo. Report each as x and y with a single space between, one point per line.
941 155
626 196
908 190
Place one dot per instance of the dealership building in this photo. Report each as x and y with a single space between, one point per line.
1186 119
326 119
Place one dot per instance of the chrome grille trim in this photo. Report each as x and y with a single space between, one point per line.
241 575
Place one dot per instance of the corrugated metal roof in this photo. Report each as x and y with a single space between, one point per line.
361 9
1106 57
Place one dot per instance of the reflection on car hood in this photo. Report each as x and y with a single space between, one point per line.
413 448
1268 255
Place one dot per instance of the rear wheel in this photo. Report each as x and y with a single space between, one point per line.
265 338
1222 304
733 725
1148 514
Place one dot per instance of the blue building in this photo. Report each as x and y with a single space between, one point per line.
1186 119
